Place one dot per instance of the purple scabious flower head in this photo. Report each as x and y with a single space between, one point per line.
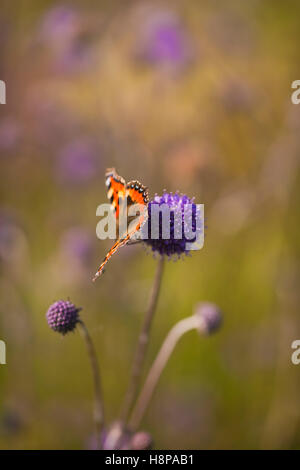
62 316
174 234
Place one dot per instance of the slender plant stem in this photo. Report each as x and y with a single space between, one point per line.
98 401
161 360
143 340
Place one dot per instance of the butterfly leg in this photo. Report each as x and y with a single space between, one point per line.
134 242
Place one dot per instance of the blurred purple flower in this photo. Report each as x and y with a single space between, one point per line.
77 162
60 23
164 41
64 31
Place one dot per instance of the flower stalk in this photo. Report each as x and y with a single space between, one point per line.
174 335
98 401
143 340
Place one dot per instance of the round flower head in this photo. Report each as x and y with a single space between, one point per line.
210 316
62 316
141 440
177 226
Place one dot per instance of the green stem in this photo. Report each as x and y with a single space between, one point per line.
143 340
159 364
98 401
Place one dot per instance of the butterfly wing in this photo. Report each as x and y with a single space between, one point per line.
116 189
135 193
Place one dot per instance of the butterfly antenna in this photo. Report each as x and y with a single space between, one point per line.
96 276
100 271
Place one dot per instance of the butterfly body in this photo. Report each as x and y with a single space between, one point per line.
122 195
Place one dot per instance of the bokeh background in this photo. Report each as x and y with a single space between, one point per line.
194 96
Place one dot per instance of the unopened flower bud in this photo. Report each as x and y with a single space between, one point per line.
141 440
210 317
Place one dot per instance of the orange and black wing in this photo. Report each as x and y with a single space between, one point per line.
116 189
135 193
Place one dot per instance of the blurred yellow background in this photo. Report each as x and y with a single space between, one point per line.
189 96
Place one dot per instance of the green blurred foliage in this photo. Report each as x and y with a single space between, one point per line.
210 116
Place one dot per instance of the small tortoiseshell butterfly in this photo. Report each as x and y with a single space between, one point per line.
134 193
